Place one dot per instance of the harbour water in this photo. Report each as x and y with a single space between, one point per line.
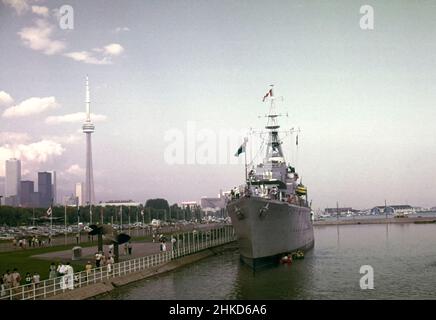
403 257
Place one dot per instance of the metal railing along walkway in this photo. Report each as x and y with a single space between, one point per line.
187 244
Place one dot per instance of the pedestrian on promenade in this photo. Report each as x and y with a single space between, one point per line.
14 243
98 257
69 278
88 269
28 284
130 248
2 287
174 242
49 240
110 262
77 238
52 271
7 279
126 249
36 279
16 278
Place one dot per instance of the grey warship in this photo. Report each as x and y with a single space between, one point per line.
270 212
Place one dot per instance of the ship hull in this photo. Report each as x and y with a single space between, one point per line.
267 229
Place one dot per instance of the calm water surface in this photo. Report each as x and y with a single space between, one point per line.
403 257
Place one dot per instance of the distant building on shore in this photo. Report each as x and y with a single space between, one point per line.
335 211
393 209
119 203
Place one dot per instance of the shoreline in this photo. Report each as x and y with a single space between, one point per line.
417 220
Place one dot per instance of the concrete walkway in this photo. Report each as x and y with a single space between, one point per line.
139 249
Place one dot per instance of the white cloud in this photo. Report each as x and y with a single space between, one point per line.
77 117
113 49
39 38
40 10
31 106
75 170
98 55
13 137
31 153
20 6
5 99
121 29
87 57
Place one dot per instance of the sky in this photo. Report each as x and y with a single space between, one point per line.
197 70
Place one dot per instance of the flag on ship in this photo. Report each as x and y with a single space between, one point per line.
268 94
49 211
241 148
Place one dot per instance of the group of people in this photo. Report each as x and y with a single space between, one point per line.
11 280
101 260
64 270
33 242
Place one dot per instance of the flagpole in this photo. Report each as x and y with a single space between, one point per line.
121 213
65 222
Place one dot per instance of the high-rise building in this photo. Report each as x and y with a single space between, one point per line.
45 189
12 182
53 186
79 193
88 128
27 188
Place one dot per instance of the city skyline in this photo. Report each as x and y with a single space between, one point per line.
362 99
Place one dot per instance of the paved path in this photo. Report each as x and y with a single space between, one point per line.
139 249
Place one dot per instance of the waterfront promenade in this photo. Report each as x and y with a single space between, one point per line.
104 278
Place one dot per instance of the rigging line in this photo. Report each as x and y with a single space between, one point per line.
257 153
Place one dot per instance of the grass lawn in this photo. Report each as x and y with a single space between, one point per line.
22 260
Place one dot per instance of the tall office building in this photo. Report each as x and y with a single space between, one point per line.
12 182
79 193
53 186
45 189
27 188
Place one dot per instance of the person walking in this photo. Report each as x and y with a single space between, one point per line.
110 262
52 271
129 246
2 287
69 281
88 269
97 259
16 278
36 279
28 284
173 242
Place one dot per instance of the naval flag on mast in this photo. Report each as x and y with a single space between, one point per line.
49 211
268 94
241 148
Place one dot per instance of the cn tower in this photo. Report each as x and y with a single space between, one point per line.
88 128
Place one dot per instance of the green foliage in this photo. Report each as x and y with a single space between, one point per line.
160 204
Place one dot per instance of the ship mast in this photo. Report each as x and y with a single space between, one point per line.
274 148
